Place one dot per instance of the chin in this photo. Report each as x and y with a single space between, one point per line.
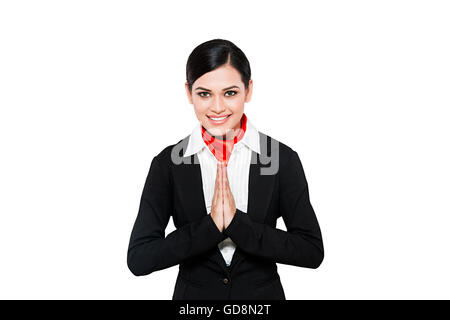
221 130
217 131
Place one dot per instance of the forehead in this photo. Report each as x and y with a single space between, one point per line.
219 78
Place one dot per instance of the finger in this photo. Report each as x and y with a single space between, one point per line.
218 176
224 172
220 195
222 190
226 183
226 194
221 174
214 199
216 184
230 196
227 190
225 175
218 170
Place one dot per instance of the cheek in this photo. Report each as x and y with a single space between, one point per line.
237 101
236 106
200 108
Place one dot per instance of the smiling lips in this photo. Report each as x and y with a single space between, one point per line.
218 120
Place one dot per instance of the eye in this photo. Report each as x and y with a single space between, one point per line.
234 93
201 94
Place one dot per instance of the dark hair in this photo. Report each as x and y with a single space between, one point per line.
213 54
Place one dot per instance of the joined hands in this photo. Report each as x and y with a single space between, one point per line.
223 207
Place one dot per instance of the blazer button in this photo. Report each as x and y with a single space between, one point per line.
225 280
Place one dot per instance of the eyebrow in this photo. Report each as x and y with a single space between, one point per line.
201 88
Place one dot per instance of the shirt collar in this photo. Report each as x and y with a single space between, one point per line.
250 139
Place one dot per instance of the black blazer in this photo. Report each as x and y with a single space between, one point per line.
175 189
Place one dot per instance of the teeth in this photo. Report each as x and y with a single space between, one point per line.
218 119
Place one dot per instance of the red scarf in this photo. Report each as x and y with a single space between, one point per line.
222 149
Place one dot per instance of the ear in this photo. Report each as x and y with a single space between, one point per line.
189 95
249 91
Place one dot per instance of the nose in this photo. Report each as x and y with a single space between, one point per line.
219 106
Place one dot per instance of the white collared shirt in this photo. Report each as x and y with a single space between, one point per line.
238 170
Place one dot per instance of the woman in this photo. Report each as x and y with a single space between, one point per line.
225 185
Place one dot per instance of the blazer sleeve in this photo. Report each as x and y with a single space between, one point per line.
301 245
149 250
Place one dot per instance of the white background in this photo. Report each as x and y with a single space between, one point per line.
91 91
